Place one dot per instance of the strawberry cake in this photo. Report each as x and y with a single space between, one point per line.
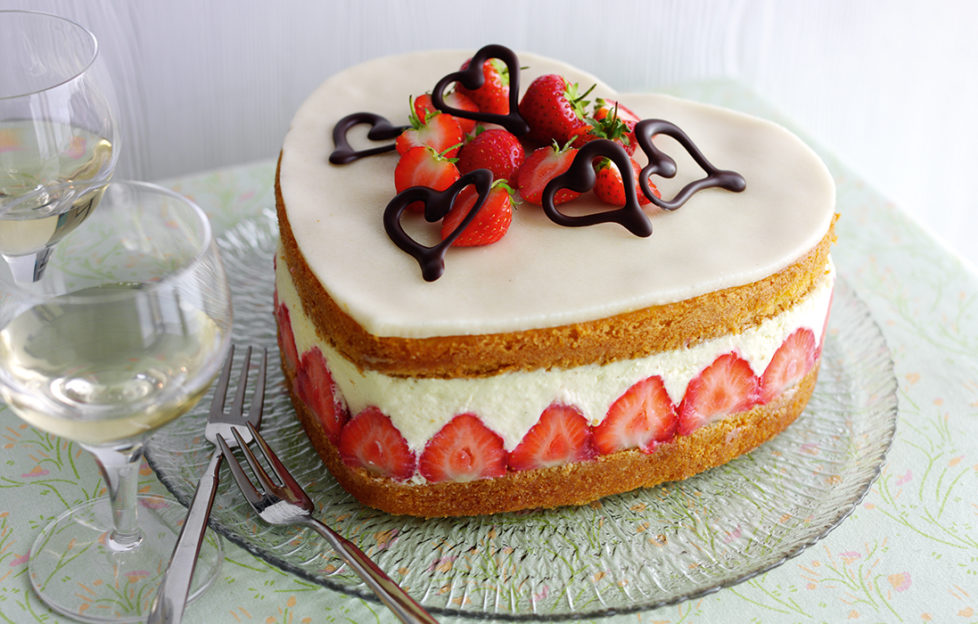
501 285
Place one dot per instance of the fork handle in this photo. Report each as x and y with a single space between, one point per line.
171 598
389 592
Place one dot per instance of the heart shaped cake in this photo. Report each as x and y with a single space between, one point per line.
453 347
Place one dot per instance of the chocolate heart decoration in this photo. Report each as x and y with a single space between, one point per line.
580 177
436 206
472 78
380 130
661 164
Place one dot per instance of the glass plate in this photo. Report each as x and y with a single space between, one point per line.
629 552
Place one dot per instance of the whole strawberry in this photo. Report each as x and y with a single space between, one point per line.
497 150
554 109
610 188
493 95
489 224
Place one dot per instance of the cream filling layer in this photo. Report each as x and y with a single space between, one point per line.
511 403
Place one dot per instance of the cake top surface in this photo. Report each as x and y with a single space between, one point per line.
542 274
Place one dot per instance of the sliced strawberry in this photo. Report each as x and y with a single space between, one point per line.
369 440
726 386
436 130
561 436
286 339
422 166
316 388
489 224
493 95
554 110
423 107
463 450
540 167
643 417
792 361
610 188
497 150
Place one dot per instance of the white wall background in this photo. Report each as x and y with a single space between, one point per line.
889 87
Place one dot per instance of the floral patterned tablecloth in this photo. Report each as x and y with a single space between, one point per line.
908 553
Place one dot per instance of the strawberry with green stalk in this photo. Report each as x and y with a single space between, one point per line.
610 120
439 131
493 96
554 109
489 224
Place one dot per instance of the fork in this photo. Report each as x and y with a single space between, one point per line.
171 597
286 503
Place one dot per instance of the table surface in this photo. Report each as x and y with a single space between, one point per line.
908 553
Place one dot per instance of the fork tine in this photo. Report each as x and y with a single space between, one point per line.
221 389
239 395
284 476
252 495
258 397
256 466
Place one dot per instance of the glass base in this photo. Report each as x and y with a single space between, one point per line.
78 571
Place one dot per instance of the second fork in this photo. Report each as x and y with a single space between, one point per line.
285 503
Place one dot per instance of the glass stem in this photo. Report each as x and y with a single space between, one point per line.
120 469
29 267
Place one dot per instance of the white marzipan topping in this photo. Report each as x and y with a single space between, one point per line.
541 274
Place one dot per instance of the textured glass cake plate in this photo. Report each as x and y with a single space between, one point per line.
630 552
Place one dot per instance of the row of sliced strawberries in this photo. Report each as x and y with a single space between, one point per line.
643 417
438 148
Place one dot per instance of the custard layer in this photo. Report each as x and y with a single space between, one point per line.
570 484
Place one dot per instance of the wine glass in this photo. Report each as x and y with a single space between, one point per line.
123 332
58 144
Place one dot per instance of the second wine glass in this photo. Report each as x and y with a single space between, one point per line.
58 143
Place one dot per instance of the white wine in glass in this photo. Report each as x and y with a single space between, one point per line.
45 196
58 143
97 359
122 333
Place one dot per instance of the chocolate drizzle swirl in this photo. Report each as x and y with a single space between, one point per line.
661 164
436 205
580 177
380 130
472 78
